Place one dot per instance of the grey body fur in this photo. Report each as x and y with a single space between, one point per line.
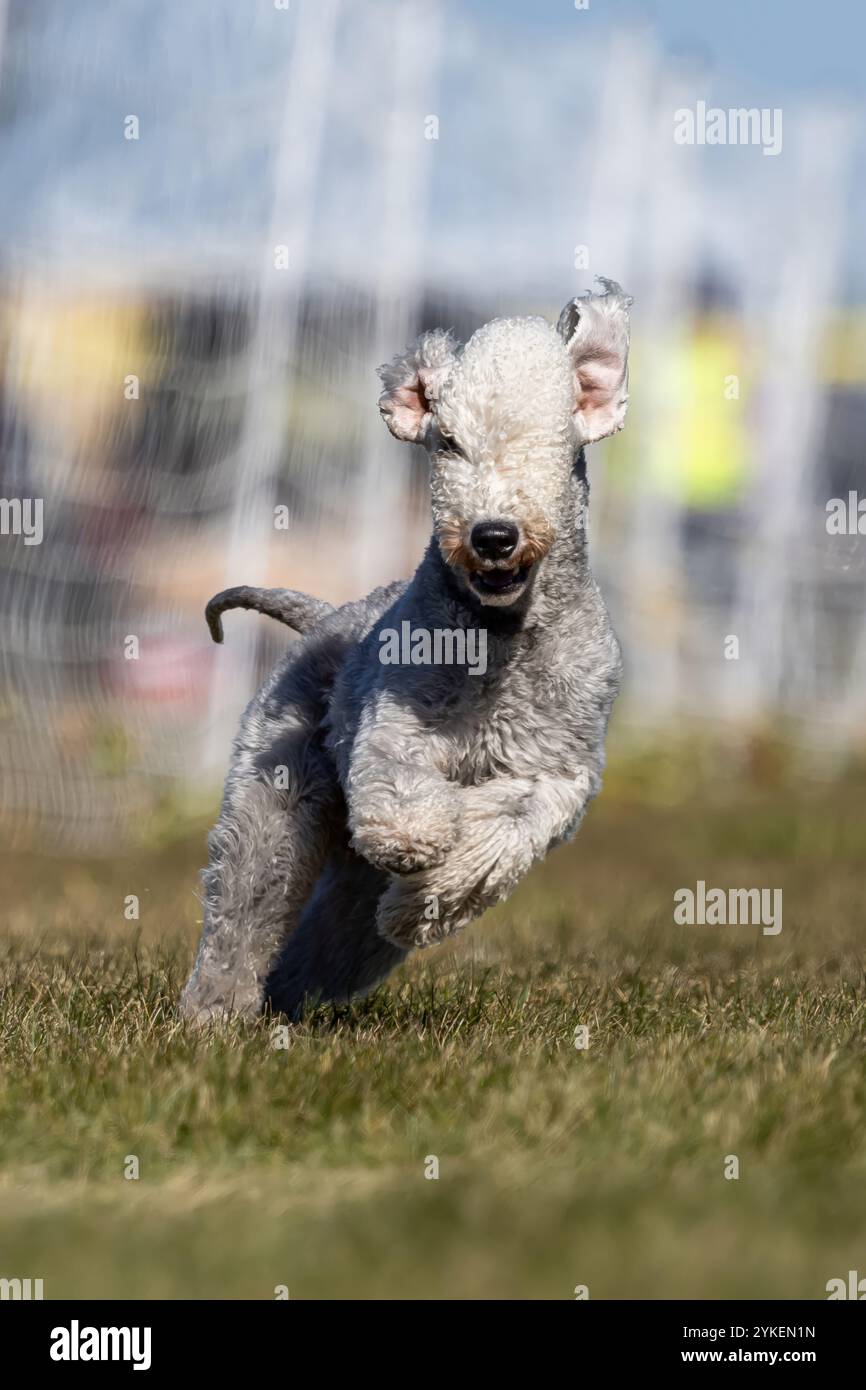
371 808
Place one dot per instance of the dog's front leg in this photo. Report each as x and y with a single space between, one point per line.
505 826
403 813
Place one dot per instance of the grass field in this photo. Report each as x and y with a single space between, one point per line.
558 1167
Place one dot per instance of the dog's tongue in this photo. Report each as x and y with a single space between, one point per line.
500 579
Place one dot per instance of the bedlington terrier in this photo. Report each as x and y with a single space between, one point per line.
380 798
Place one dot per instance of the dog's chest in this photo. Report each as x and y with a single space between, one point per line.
520 722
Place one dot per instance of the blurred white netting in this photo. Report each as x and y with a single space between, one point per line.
419 167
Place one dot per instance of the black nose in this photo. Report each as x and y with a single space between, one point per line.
494 540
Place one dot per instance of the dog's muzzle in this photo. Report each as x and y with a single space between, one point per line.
493 543
499 582
494 540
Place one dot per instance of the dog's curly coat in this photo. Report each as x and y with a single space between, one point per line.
370 808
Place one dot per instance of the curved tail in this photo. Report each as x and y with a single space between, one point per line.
288 606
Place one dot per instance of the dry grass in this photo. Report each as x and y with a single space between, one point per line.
306 1167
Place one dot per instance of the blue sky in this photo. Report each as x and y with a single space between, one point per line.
793 45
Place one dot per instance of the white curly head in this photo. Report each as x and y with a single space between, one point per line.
501 419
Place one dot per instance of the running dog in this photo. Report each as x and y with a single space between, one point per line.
375 805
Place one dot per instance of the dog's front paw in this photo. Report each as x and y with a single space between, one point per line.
400 851
412 913
203 1011
206 1016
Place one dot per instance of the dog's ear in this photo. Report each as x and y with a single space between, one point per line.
594 328
412 384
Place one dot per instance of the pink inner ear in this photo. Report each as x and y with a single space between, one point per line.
598 380
413 397
591 392
406 407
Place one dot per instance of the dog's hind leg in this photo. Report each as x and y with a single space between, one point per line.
280 815
335 954
283 811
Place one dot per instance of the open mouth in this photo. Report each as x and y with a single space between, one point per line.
500 581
